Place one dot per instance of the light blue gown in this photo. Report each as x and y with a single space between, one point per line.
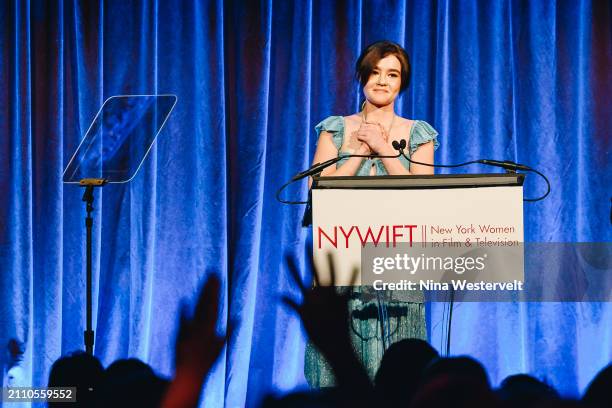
403 313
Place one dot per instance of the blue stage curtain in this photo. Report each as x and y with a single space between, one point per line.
520 80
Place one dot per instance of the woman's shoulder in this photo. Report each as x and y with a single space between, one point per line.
331 124
404 123
414 124
421 132
352 119
421 127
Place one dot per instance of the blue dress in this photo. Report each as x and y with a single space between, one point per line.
402 313
420 133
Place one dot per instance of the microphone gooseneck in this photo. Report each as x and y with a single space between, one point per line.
507 164
319 167
316 168
400 146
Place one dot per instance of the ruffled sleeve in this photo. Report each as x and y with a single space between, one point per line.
422 133
335 126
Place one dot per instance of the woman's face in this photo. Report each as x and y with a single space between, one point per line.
385 80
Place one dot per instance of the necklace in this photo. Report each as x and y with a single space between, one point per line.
365 119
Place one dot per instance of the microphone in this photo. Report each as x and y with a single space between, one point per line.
399 146
508 165
317 168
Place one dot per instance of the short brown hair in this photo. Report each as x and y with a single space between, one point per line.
375 52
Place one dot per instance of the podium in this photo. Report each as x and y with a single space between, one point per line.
374 221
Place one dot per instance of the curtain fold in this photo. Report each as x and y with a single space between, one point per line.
511 79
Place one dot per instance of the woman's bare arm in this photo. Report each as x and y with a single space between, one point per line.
326 150
424 154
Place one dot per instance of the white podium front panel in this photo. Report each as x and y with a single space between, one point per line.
346 220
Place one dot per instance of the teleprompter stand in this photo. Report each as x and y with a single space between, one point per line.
112 151
88 198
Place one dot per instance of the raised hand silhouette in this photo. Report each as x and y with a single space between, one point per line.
325 316
197 348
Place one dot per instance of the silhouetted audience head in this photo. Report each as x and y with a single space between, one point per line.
327 398
80 370
453 391
401 371
411 373
599 391
131 383
525 391
455 382
558 403
457 367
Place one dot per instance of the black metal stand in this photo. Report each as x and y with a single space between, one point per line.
450 321
88 198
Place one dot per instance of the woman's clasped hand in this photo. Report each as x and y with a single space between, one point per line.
374 137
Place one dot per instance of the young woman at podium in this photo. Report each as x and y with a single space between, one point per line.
383 70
